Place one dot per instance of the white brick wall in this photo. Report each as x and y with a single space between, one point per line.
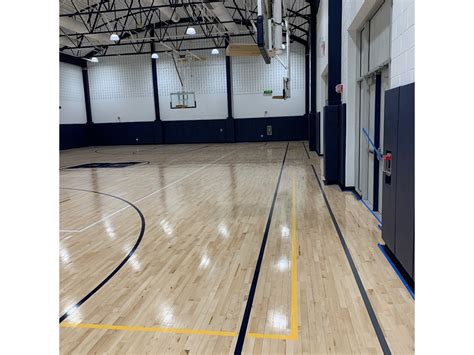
121 87
71 95
250 76
403 43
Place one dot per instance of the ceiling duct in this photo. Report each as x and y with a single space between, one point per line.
221 12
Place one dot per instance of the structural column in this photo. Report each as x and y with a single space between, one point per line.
158 124
230 126
334 112
87 98
311 57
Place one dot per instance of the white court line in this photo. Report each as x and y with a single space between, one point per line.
145 197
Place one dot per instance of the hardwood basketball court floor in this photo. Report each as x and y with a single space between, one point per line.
221 248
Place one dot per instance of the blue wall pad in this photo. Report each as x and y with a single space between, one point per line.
318 133
312 132
72 136
125 133
195 131
332 145
199 131
283 129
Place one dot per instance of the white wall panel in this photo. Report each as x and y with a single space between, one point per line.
403 43
121 87
207 79
250 76
71 95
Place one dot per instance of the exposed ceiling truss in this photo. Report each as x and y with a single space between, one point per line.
86 25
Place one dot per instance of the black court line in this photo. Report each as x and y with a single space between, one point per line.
253 287
306 150
360 285
72 167
73 308
148 151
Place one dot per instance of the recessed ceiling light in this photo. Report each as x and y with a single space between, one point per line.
155 56
114 37
215 51
190 31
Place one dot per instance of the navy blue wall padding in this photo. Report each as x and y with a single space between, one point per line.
125 133
198 131
331 144
283 129
405 214
312 132
390 184
342 146
230 130
202 131
399 190
334 50
318 133
72 136
311 64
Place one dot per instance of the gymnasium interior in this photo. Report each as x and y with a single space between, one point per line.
236 176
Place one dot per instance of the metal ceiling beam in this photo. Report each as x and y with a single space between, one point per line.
163 28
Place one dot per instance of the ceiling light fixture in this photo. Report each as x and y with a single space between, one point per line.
215 51
114 37
94 60
155 56
190 31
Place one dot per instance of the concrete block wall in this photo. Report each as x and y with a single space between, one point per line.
403 43
71 95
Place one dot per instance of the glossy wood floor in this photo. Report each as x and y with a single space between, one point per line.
160 255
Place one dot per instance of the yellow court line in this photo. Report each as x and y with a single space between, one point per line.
148 329
294 280
294 303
